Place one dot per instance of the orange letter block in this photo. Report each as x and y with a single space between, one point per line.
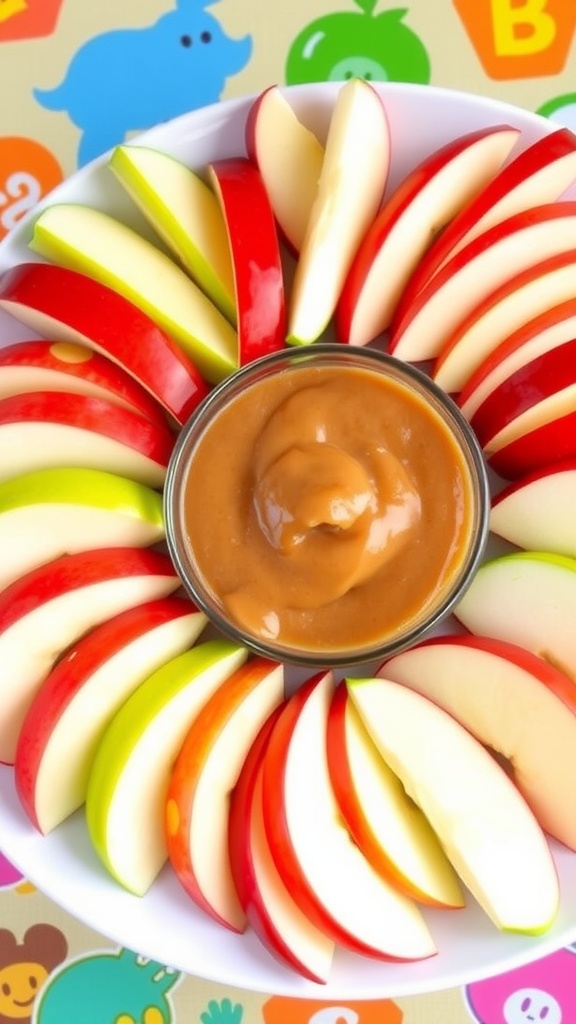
28 19
519 38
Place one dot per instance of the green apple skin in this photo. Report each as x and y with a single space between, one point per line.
185 213
172 684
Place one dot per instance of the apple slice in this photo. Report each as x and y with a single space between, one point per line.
526 598
547 445
66 366
486 262
483 822
425 201
350 190
67 306
531 396
204 775
288 935
325 872
253 240
539 174
53 512
48 429
49 608
553 326
185 213
389 829
289 158
510 307
516 704
536 512
92 242
128 782
88 684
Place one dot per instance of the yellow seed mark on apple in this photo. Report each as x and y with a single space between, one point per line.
8 8
172 817
67 351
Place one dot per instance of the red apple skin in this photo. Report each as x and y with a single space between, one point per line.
542 377
568 466
256 261
545 446
67 677
386 220
66 366
188 765
482 243
69 306
92 414
558 144
513 343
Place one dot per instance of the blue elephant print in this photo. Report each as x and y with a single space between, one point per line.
127 80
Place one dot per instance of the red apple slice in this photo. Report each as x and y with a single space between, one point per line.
531 396
505 310
543 447
46 429
258 278
536 512
67 366
482 265
204 775
49 608
389 829
516 704
289 158
274 916
350 189
539 174
426 200
67 306
68 715
543 332
327 875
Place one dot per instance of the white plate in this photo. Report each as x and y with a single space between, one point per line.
164 924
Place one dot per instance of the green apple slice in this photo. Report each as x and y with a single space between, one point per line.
130 776
96 244
186 214
49 512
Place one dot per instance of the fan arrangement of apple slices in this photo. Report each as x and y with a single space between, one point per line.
334 814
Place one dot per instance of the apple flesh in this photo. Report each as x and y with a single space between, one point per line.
287 934
539 174
536 512
289 158
130 774
253 240
49 608
185 213
510 307
350 190
547 445
534 336
50 429
95 243
69 714
483 822
204 774
526 598
364 913
389 829
426 200
67 306
52 512
475 271
516 704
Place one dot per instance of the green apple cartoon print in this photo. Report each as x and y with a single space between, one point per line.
358 43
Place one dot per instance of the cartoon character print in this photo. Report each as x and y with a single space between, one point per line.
561 110
127 80
358 43
281 1009
111 987
25 967
9 875
539 993
224 1012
